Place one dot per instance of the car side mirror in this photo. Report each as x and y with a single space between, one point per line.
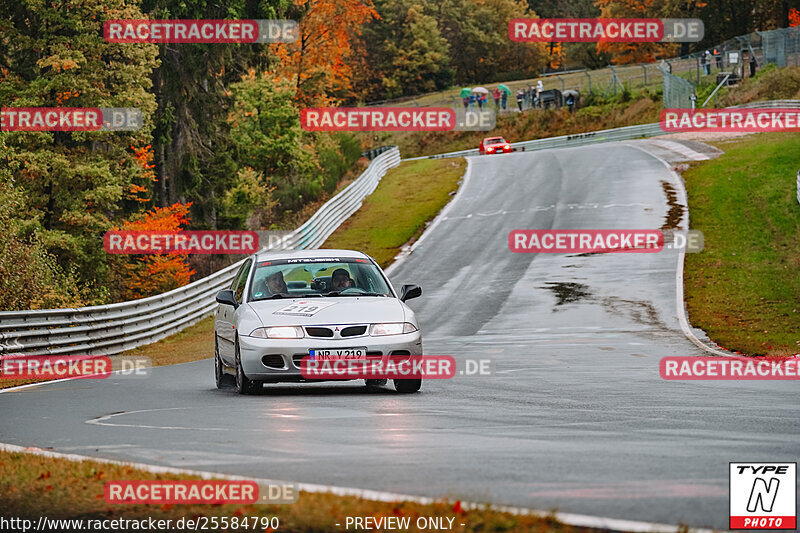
226 297
408 292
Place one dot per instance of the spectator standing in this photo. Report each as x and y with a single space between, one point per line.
496 95
472 100
503 98
465 101
704 58
520 98
718 58
539 91
571 102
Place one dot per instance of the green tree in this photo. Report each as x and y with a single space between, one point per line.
265 129
75 183
192 145
408 52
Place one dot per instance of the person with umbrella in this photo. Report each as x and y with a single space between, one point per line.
496 95
481 93
464 95
504 92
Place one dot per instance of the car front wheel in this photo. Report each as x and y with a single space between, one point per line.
244 385
220 377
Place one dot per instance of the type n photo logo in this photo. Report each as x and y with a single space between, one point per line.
763 495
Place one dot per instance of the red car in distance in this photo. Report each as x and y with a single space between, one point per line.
494 145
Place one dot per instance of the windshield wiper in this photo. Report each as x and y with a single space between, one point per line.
335 293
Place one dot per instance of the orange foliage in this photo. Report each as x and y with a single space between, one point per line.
63 97
557 54
794 17
624 53
146 275
317 61
144 158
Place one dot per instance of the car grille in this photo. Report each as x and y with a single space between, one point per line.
353 331
315 331
328 332
272 361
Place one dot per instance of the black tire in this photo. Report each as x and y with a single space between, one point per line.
244 385
407 385
221 379
375 382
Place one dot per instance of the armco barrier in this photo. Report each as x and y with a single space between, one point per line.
114 328
615 134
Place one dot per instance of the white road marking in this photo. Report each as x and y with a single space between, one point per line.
682 149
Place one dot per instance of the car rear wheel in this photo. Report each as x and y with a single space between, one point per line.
220 377
375 382
407 385
244 385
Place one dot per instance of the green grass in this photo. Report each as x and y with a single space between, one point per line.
406 198
744 288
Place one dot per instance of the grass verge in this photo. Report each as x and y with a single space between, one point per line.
744 288
406 199
33 486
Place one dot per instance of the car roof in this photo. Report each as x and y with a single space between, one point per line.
309 254
493 138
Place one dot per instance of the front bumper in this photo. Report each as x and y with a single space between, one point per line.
275 360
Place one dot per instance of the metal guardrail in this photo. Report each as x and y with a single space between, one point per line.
615 134
114 328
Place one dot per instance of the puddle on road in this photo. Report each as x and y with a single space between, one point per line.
676 210
567 292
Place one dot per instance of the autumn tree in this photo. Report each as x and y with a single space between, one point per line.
623 53
142 275
318 62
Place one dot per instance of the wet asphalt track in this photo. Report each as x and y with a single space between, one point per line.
576 416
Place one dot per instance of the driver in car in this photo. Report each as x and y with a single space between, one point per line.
340 280
276 284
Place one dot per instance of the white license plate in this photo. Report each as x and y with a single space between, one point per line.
342 353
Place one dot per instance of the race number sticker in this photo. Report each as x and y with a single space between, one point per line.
303 308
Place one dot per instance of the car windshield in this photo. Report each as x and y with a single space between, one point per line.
324 277
495 140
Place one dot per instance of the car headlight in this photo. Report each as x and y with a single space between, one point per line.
392 328
278 332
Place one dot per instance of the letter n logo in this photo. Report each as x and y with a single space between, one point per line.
763 495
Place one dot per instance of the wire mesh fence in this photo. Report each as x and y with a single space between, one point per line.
706 67
678 92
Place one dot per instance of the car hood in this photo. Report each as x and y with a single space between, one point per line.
344 310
